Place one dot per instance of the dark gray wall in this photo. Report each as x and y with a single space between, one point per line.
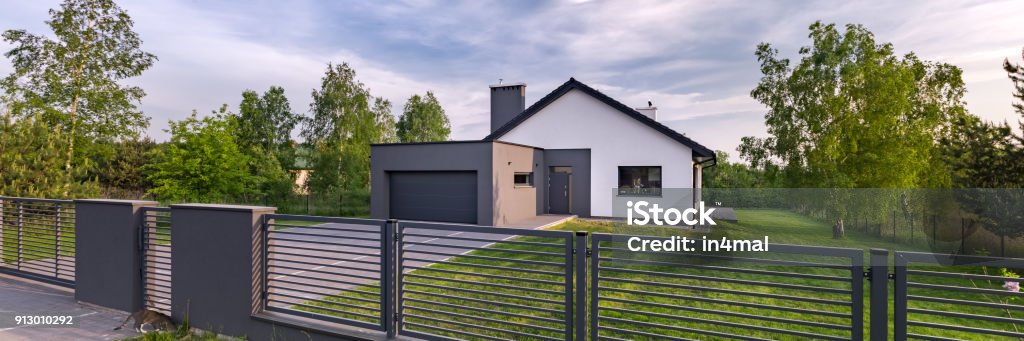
216 277
579 160
213 278
453 156
107 258
506 102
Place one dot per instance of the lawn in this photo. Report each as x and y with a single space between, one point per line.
507 291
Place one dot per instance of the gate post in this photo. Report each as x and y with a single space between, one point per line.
581 285
388 267
108 259
899 302
217 264
879 276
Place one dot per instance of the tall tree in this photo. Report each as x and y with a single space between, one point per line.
345 120
73 80
987 160
266 121
853 114
423 120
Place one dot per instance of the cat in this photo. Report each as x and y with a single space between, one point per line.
145 316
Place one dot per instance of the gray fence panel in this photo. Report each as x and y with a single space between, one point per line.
471 282
37 239
616 291
968 292
155 244
325 268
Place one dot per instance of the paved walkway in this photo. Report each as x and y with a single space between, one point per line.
23 296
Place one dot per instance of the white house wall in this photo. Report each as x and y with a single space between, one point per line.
577 120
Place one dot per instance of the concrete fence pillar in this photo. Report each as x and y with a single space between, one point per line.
215 266
107 255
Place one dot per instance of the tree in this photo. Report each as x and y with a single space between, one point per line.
31 160
123 170
267 121
423 120
73 79
852 114
851 109
345 120
202 160
987 162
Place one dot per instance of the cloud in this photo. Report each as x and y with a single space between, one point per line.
693 59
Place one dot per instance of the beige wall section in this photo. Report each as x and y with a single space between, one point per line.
513 204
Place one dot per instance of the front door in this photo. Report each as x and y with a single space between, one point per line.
559 185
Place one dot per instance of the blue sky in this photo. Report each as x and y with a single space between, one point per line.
693 59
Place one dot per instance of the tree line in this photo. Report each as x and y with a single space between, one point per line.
852 113
71 128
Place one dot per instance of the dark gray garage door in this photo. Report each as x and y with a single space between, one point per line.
434 196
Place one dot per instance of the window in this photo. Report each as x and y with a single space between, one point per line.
523 179
640 180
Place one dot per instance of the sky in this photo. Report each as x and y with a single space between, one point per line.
693 59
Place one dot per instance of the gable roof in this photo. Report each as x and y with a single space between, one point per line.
698 149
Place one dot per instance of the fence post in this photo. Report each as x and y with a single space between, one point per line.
879 277
963 237
899 303
893 226
581 285
389 316
108 261
217 266
595 263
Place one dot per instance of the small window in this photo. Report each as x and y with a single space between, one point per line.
524 179
640 180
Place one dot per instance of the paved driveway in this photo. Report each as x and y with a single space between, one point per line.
29 297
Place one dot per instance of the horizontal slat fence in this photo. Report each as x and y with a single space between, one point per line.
681 296
942 297
325 268
460 282
155 239
37 239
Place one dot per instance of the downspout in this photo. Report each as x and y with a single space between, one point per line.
698 178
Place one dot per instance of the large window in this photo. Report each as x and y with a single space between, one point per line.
640 180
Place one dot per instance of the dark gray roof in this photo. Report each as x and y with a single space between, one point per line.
698 149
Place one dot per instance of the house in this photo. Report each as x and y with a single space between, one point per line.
301 168
575 151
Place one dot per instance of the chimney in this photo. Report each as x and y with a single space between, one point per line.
650 111
507 101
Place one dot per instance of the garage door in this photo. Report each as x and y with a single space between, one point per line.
434 196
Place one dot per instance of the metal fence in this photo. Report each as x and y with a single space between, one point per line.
37 239
155 242
325 268
966 290
638 294
472 282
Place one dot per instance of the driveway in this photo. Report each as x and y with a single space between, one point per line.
23 296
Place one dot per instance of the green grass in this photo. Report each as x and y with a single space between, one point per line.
675 301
